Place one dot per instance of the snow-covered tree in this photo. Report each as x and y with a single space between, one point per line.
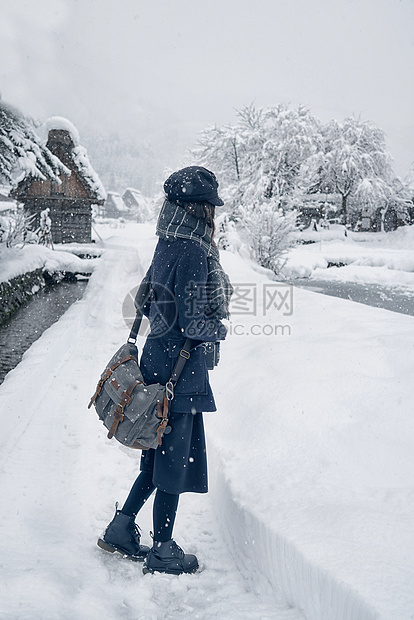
260 158
273 158
258 162
220 148
354 163
21 150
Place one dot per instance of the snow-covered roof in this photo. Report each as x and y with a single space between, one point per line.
135 193
77 154
88 174
115 199
59 122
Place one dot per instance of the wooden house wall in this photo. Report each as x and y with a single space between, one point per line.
70 207
70 187
71 219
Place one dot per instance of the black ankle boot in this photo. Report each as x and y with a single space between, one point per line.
122 534
168 557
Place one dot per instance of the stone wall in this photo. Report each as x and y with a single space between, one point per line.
17 291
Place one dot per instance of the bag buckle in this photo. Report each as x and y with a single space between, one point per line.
169 390
185 354
125 399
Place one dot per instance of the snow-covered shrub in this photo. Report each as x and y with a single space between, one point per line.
44 232
271 233
19 229
227 235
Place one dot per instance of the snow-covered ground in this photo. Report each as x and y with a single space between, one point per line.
377 258
311 453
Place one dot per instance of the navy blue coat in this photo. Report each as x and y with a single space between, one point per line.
176 311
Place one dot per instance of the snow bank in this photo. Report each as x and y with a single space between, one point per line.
394 252
17 261
400 239
314 443
383 276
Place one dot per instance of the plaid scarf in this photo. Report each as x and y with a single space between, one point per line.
174 222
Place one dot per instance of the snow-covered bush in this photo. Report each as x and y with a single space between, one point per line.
271 233
44 232
18 230
227 235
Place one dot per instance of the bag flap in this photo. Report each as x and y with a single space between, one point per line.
144 398
126 349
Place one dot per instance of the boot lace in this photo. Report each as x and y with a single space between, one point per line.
177 549
135 532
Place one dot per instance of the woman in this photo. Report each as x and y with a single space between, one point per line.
190 294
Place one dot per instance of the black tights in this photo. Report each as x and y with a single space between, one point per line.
164 510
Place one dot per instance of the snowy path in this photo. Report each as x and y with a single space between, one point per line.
59 479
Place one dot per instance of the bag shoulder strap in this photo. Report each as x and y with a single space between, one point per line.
140 299
183 356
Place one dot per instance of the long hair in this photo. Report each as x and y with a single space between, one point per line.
202 210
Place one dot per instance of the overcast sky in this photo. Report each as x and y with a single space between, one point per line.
152 66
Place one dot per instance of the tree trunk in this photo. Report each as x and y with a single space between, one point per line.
236 159
344 205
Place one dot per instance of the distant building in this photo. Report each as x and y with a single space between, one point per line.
115 206
393 217
71 200
318 206
137 205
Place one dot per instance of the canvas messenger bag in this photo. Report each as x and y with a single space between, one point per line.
134 413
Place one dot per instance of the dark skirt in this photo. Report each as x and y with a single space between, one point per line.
179 465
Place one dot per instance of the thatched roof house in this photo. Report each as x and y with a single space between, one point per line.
115 206
71 200
137 204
